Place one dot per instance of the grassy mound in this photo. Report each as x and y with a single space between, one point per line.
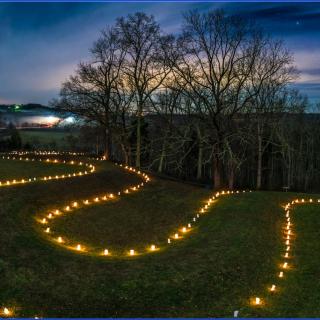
232 254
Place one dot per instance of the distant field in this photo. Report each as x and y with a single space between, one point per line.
45 138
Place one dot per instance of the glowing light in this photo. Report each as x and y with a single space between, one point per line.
184 229
258 301
176 236
47 230
131 252
60 239
79 247
106 252
281 274
67 208
273 288
69 120
153 247
285 265
6 312
75 204
169 240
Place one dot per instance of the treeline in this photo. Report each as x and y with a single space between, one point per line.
212 104
10 139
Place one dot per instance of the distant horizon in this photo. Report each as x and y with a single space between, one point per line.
42 43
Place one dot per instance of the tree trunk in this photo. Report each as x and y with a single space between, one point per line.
259 164
289 170
107 148
125 154
200 154
138 148
162 156
216 172
200 160
97 146
231 177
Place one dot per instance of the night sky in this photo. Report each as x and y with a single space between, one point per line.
41 43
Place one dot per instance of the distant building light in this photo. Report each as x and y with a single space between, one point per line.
69 120
52 119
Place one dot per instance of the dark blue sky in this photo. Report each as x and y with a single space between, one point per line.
41 43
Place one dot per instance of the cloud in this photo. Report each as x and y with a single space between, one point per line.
41 43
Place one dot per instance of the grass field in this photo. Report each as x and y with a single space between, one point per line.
232 254
15 169
45 138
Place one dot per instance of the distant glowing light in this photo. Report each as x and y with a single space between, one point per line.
6 312
69 120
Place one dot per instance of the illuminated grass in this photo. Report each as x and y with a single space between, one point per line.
302 285
148 216
232 255
15 169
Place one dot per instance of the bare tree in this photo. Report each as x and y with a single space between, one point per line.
144 66
93 92
273 71
213 60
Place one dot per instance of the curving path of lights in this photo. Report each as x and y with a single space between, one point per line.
44 220
62 240
68 208
288 237
90 169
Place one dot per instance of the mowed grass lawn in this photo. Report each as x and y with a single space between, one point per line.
231 255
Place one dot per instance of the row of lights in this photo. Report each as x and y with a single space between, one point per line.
74 205
47 153
287 239
91 169
177 235
9 312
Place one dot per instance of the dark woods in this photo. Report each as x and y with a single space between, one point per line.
213 104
